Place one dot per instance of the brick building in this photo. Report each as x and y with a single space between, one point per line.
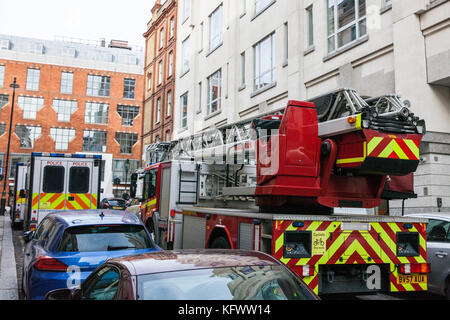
72 98
160 57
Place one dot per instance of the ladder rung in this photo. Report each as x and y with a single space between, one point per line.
190 181
193 192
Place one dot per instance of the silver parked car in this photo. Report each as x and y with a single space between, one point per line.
438 251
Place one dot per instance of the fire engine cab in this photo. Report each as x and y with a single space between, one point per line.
275 183
60 182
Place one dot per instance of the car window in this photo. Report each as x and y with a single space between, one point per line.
116 202
234 283
103 286
438 231
104 238
45 227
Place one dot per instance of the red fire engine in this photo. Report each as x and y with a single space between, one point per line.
276 183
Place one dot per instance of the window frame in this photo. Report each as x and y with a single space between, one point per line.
92 80
216 38
91 115
66 82
33 79
129 88
184 113
89 146
257 74
357 22
211 99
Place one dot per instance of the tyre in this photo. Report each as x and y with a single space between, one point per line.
220 243
447 290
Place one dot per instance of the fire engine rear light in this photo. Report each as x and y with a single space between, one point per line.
351 120
45 263
409 268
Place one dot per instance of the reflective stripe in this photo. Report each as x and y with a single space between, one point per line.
352 247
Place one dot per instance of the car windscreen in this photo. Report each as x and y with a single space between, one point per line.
233 283
115 202
104 238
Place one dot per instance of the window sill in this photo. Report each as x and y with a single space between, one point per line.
309 50
266 88
184 73
214 49
181 130
285 64
242 87
212 115
256 15
346 48
386 8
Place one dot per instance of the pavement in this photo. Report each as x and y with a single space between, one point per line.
8 272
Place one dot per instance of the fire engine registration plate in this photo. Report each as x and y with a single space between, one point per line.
117 208
411 278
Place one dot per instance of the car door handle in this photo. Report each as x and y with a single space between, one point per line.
441 254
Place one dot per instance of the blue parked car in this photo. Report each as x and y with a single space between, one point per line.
67 246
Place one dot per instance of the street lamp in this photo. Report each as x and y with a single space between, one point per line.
14 86
127 167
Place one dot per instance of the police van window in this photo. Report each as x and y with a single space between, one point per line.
79 180
53 179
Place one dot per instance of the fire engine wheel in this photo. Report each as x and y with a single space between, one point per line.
447 290
220 243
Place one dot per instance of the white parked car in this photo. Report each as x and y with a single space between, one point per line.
438 251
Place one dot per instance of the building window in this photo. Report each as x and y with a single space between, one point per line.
126 141
28 135
168 137
62 137
98 86
30 106
346 22
169 103
128 114
149 81
200 96
2 130
4 99
160 72
96 113
215 27
214 92
94 141
120 172
170 63
161 38
2 76
243 69
172 27
186 9
184 106
310 28
185 47
264 63
260 5
15 159
64 109
387 2
66 82
33 76
129 86
158 111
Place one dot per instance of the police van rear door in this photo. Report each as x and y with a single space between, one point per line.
79 185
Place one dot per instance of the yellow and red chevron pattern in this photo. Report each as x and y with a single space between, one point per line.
393 148
377 246
61 201
19 199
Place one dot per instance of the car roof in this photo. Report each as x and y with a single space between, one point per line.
431 215
72 218
179 260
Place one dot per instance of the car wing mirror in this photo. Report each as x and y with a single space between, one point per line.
28 235
59 294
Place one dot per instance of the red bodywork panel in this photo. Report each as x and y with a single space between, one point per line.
351 172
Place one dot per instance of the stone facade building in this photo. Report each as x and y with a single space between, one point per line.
238 59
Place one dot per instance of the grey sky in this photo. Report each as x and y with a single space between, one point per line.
85 19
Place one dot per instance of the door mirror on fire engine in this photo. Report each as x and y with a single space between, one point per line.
22 194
